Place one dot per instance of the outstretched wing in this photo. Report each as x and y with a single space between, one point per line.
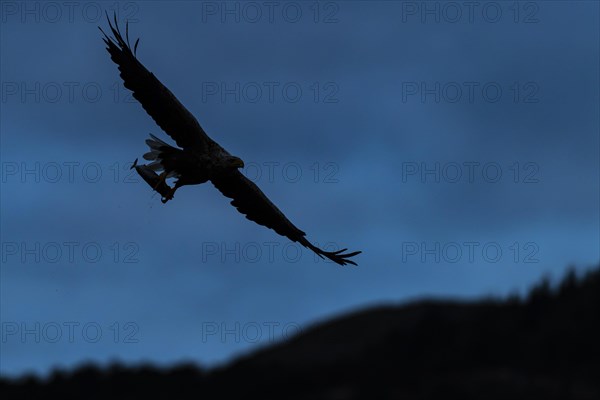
157 100
252 202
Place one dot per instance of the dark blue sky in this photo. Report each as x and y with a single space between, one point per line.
455 145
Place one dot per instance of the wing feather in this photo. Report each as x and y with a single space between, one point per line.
256 206
158 101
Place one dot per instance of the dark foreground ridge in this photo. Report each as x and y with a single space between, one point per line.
543 347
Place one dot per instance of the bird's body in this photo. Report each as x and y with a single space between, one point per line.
189 166
198 159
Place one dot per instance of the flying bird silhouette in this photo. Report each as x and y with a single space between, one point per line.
200 159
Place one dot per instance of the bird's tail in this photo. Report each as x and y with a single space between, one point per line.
163 156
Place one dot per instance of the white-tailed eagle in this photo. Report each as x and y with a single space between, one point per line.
199 158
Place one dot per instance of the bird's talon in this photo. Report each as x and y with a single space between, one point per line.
169 195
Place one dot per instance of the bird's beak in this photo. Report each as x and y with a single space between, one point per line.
238 163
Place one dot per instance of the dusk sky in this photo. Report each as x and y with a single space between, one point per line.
455 144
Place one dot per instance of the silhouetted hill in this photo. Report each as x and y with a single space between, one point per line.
543 347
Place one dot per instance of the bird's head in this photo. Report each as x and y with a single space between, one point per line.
234 162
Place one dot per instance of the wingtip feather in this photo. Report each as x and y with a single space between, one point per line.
337 256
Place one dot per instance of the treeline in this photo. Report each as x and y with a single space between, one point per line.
544 345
